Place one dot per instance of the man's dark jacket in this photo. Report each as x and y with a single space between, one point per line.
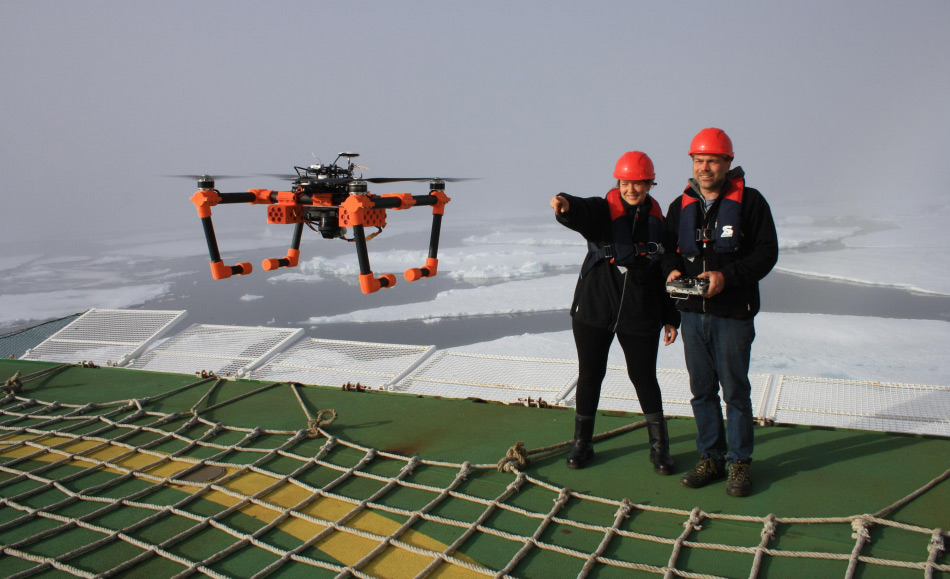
742 269
631 302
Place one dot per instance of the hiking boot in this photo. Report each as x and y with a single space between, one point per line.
583 450
740 481
705 472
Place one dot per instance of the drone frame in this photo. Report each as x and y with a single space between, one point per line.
358 210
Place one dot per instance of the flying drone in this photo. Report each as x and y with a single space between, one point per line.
328 199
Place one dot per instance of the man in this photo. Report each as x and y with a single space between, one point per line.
721 231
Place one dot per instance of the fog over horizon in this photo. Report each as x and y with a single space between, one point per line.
834 108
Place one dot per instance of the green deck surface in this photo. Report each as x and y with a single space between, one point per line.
798 472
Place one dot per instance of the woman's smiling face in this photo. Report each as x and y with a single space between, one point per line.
634 192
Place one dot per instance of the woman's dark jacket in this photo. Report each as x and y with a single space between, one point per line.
633 301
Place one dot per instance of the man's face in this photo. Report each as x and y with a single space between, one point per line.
710 171
634 192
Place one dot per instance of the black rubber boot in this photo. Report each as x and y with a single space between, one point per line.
583 450
659 443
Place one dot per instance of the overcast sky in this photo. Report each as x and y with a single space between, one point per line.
832 106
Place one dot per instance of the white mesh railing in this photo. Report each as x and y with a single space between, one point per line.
336 362
223 350
618 393
883 406
502 378
104 337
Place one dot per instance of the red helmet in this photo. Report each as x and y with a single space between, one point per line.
711 141
634 166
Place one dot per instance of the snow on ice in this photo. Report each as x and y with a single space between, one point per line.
532 268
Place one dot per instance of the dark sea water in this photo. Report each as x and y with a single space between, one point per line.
782 292
291 304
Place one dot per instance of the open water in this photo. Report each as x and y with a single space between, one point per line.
291 304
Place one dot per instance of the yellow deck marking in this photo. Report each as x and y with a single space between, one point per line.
344 547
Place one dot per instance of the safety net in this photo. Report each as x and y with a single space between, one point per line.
132 486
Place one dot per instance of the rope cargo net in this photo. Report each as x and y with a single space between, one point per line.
175 494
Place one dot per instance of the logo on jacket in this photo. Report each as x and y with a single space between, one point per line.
726 231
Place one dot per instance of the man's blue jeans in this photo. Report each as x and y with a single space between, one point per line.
717 353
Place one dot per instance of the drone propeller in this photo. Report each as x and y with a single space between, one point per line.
344 180
281 176
395 179
206 177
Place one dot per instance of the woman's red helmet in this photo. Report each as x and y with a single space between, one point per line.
634 166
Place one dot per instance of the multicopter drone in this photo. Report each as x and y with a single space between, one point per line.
328 199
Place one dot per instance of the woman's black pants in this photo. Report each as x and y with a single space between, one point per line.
639 350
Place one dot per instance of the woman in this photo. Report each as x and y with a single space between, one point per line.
620 291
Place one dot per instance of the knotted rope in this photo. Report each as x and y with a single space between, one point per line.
13 385
517 456
515 459
314 424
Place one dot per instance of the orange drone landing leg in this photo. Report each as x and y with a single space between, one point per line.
204 200
293 254
437 199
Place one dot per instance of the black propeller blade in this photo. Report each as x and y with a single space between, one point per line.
212 177
281 176
395 179
343 180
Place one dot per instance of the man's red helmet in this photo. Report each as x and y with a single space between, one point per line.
711 141
634 166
